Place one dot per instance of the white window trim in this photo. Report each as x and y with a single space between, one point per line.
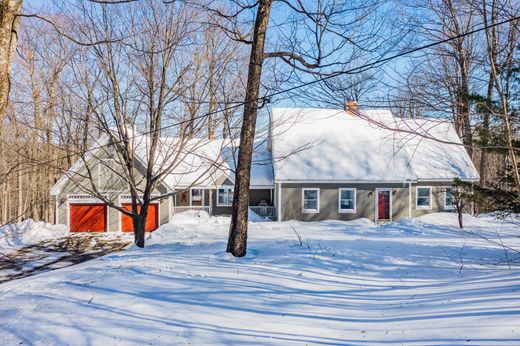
376 203
417 206
225 187
201 196
446 207
346 211
311 211
80 198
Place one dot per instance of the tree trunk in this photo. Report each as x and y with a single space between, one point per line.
485 133
8 37
461 225
211 108
237 242
464 102
139 222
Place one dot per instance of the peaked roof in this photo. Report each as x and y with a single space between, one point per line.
335 145
197 162
205 162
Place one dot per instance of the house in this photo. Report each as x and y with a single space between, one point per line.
201 178
348 164
316 164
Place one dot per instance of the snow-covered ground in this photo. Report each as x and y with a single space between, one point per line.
413 282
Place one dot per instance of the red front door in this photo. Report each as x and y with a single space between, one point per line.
152 219
383 205
88 217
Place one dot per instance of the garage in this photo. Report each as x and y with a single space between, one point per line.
88 217
152 220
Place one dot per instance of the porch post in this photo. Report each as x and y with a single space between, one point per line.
409 199
56 214
279 203
210 201
170 202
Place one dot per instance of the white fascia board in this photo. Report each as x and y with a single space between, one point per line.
443 180
345 181
252 187
261 187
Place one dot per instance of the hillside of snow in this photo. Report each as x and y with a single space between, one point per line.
413 282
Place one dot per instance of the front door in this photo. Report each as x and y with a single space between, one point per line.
384 204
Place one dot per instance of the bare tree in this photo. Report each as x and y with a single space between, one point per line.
29 128
502 48
441 80
133 94
9 22
308 45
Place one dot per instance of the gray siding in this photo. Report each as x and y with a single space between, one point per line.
164 211
105 179
365 201
291 201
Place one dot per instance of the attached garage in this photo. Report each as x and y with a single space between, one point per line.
152 220
88 217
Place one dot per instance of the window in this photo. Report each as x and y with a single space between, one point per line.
424 197
347 200
448 199
225 197
196 197
311 200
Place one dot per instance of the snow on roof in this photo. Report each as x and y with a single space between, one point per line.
436 151
201 162
334 145
262 174
198 162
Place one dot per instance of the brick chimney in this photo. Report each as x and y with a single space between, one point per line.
351 107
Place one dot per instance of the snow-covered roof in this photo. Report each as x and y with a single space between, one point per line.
367 146
204 162
435 150
262 174
197 162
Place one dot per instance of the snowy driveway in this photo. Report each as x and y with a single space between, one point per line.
57 253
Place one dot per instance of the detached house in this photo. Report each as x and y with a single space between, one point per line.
316 164
349 164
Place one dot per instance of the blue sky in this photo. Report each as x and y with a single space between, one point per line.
280 14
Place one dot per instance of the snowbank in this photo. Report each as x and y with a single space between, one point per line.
254 217
28 232
190 226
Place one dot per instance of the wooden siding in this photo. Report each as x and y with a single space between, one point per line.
291 201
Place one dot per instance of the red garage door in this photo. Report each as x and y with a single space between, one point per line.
152 220
88 218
